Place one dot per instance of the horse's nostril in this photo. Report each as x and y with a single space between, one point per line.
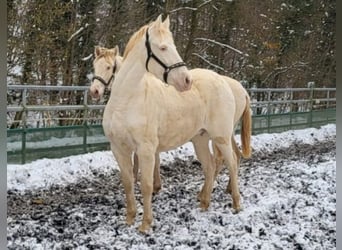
187 80
94 93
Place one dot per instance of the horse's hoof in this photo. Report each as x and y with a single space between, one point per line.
130 217
204 205
156 189
228 189
237 210
129 221
144 228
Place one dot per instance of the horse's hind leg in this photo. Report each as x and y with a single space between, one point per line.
135 167
225 146
219 159
238 157
126 171
201 146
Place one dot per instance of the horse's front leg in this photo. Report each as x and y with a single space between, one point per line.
202 150
125 164
156 173
146 159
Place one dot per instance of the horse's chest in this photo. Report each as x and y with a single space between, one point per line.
127 125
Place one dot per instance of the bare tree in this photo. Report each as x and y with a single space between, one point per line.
261 43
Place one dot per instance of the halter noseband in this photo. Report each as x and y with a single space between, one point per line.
102 80
150 54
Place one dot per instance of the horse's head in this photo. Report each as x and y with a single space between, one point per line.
160 55
106 63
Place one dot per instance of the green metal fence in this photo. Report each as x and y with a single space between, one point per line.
292 108
274 110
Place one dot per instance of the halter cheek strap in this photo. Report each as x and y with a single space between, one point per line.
150 55
99 78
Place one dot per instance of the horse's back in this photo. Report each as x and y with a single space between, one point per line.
212 86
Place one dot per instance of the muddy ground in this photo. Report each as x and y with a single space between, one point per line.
288 195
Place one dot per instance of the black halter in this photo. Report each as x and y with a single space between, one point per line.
102 80
150 54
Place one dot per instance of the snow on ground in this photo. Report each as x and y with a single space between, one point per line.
288 193
45 172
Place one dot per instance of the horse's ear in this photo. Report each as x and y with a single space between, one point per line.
166 22
157 23
159 19
112 52
97 51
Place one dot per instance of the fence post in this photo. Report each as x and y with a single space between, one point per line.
23 146
311 85
291 107
268 110
24 133
85 120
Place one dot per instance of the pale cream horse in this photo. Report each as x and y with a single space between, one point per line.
146 117
107 59
108 63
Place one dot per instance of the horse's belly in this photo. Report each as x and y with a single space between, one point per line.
174 138
166 145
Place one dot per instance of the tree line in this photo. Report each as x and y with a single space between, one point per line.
260 43
263 44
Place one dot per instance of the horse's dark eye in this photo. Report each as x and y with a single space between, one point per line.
163 48
108 68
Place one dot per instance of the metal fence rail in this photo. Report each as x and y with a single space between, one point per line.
292 108
56 121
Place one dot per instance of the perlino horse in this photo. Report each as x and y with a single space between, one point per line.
146 117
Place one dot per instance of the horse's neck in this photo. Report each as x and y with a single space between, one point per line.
118 62
128 80
130 75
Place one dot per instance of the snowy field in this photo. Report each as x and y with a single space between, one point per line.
288 192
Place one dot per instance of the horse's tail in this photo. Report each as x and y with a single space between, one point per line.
246 130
